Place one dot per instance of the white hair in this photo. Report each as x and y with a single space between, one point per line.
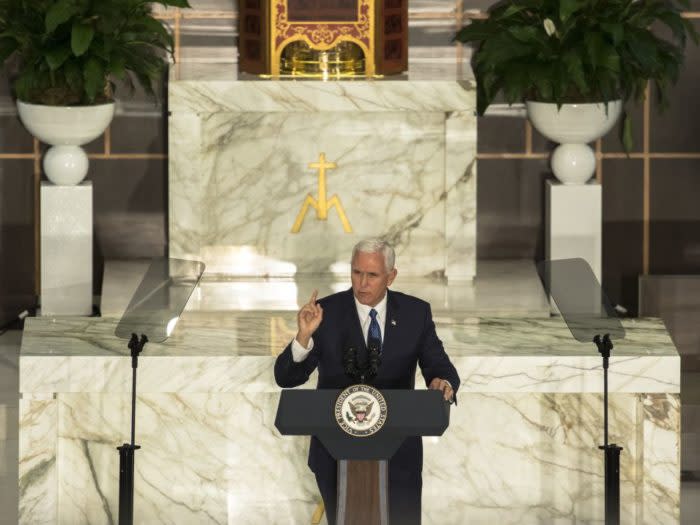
376 245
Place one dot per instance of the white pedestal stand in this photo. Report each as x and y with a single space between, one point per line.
66 249
574 223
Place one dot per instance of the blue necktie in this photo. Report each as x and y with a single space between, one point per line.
374 332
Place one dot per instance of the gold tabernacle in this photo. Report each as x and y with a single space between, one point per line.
323 38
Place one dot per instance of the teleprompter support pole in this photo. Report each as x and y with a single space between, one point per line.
612 451
126 451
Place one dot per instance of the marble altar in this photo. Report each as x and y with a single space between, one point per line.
247 196
521 447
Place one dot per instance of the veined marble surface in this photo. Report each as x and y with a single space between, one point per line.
534 459
239 172
222 352
217 458
501 288
209 88
521 447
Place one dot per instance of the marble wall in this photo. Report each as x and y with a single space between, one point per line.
240 150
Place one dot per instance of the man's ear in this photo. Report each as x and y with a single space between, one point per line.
392 276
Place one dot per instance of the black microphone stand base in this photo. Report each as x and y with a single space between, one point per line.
612 483
126 483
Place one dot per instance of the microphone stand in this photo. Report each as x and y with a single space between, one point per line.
612 451
374 358
126 451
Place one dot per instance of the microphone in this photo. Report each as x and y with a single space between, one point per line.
350 362
367 370
374 358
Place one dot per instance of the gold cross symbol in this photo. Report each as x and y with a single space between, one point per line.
322 204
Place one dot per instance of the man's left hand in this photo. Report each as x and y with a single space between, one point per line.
444 386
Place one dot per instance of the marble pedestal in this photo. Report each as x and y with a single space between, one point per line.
247 197
66 249
574 224
521 447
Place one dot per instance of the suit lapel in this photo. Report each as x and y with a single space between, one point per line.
392 320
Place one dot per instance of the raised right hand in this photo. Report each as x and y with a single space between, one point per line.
308 319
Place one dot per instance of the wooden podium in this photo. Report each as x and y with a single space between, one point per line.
363 473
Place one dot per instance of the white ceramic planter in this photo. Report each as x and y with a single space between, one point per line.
573 126
66 128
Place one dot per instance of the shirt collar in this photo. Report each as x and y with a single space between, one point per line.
363 309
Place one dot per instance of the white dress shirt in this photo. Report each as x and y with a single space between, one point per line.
299 353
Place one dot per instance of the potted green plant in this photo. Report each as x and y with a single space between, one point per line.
70 56
575 63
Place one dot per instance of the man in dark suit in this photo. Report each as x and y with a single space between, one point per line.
404 328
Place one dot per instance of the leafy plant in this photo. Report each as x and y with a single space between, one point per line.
70 52
566 51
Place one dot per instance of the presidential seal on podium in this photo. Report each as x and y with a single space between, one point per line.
360 410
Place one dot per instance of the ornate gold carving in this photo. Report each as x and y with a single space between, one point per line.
323 36
322 204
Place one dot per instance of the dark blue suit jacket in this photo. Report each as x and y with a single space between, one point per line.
409 340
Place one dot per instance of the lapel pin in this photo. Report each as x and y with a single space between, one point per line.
393 322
